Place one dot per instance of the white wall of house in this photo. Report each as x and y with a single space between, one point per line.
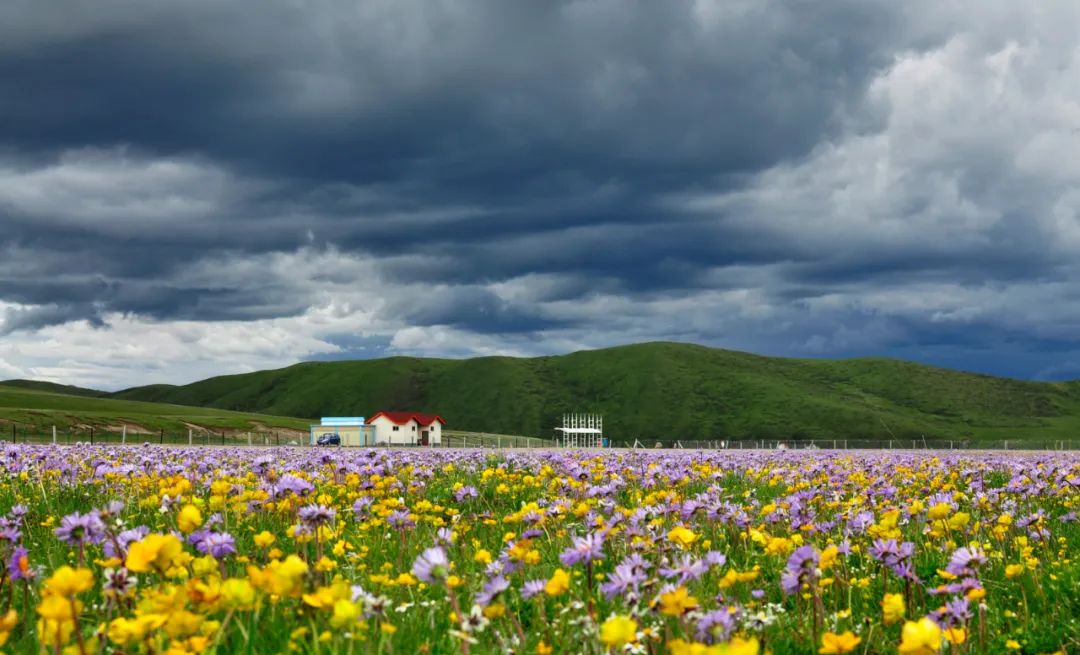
388 432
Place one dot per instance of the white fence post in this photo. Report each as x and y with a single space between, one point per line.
123 434
54 435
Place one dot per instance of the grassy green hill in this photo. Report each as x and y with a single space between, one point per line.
32 411
659 390
38 385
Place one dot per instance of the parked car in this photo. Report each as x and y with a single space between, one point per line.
329 439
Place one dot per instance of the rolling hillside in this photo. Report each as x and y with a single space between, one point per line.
31 411
52 387
659 390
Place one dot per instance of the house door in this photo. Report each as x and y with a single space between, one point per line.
423 437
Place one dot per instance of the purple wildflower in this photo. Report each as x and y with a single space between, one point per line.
716 626
9 531
361 507
715 558
291 483
965 561
432 565
532 588
801 567
400 519
78 528
444 536
956 612
491 589
118 547
584 550
686 569
464 493
623 580
314 516
218 544
19 565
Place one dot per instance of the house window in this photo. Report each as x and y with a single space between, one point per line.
395 428
414 428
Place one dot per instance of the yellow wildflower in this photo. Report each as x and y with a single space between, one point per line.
57 608
739 646
346 613
7 624
156 552
956 636
892 606
558 583
189 519
237 593
959 520
828 558
684 537
939 511
67 582
920 638
677 602
838 644
618 630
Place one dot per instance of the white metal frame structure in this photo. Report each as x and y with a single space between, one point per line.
582 431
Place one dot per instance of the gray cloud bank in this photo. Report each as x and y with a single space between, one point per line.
196 188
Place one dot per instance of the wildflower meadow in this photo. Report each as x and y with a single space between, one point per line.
148 549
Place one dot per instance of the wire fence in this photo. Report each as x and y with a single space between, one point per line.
458 439
462 439
200 437
849 444
206 437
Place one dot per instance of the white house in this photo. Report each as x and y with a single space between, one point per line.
407 428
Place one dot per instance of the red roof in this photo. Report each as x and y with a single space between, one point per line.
402 418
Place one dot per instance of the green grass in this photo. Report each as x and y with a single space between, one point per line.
33 413
660 390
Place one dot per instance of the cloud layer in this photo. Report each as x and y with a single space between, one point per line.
197 188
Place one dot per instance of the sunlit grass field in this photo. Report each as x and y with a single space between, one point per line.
142 549
34 412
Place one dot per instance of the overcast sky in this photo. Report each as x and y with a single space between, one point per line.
205 187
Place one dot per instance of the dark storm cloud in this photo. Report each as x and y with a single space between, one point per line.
503 98
547 116
504 169
42 315
475 310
